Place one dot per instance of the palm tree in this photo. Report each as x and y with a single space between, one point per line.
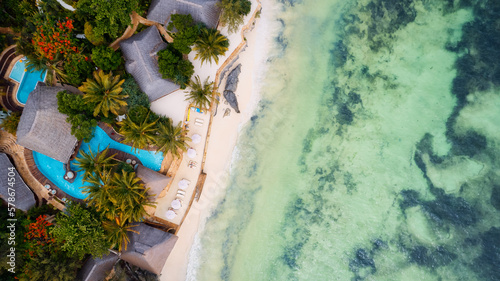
210 45
100 194
233 12
10 123
201 95
91 163
118 231
171 138
140 135
132 196
54 69
106 92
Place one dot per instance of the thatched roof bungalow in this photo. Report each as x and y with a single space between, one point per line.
142 62
43 128
149 249
153 180
97 268
205 11
24 198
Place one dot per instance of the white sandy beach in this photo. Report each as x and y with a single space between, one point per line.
223 136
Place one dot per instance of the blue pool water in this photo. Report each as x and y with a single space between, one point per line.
27 80
54 170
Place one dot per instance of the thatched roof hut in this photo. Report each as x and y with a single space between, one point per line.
97 268
24 198
43 128
142 62
149 249
205 11
153 180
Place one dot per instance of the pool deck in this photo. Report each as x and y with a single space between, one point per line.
40 177
7 60
9 146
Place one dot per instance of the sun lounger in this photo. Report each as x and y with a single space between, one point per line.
198 120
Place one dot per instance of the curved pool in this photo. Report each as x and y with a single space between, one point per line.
27 80
54 170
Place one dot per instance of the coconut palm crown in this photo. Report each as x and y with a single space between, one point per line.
105 91
171 138
91 163
201 94
210 45
141 135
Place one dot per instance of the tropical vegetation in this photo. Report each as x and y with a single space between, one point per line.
120 198
94 164
106 58
171 138
172 66
80 114
109 18
139 133
201 94
39 255
186 32
233 12
80 231
9 124
105 92
210 45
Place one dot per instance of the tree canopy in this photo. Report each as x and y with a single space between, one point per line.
106 58
105 91
233 12
186 31
79 114
173 66
80 232
108 17
210 45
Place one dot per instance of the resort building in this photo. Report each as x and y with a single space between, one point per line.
154 181
149 249
43 128
140 52
24 198
97 268
204 11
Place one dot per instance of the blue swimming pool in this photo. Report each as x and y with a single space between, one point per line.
54 170
27 80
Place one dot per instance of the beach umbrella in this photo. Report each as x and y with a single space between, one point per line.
191 153
170 214
176 204
196 138
183 184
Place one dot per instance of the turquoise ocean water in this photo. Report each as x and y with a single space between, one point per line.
374 151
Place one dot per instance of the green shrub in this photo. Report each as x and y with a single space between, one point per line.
10 123
80 114
91 36
186 32
77 68
173 66
106 58
135 95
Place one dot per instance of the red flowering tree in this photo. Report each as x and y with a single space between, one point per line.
53 39
44 258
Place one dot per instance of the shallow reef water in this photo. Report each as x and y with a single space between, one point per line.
374 153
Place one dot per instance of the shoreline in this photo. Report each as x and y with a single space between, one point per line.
224 133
